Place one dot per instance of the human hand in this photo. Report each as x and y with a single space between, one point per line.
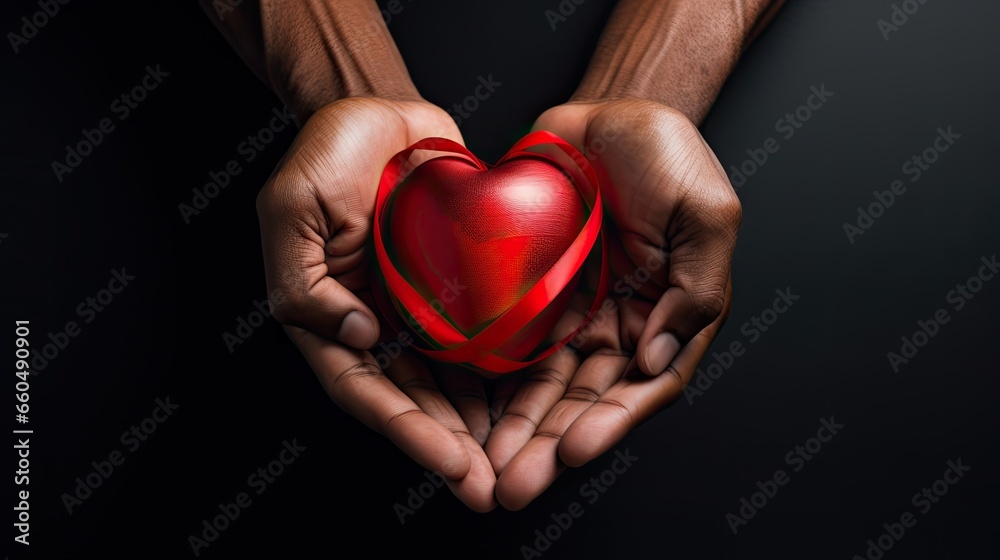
316 219
672 219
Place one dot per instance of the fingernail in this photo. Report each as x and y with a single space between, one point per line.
357 331
660 351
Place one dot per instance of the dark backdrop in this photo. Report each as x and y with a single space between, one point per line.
825 356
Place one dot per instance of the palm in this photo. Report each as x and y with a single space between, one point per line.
659 181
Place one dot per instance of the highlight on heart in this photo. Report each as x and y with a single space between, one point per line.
481 261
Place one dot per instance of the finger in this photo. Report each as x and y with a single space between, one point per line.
703 243
505 389
539 387
300 289
537 464
526 478
542 386
467 394
633 315
348 267
354 381
630 402
476 488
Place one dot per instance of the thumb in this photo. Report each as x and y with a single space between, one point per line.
703 238
297 267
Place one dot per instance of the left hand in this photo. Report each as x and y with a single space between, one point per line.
672 217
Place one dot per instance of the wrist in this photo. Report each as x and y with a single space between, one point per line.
677 53
316 53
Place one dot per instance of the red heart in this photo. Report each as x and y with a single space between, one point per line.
465 246
487 235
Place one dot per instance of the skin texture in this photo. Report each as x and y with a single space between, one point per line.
675 52
673 219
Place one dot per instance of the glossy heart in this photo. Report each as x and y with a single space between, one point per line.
477 240
483 261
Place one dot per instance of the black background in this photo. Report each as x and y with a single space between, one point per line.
826 356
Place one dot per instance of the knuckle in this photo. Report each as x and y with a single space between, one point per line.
668 118
547 376
517 417
356 371
617 408
549 434
723 210
582 394
708 305
673 372
416 384
290 307
730 208
662 123
402 417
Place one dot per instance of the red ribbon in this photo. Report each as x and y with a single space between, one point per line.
479 351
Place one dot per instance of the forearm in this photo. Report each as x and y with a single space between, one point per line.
313 52
676 52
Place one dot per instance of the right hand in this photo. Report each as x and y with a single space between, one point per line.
316 218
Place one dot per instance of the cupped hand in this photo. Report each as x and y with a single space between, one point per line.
316 219
672 219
